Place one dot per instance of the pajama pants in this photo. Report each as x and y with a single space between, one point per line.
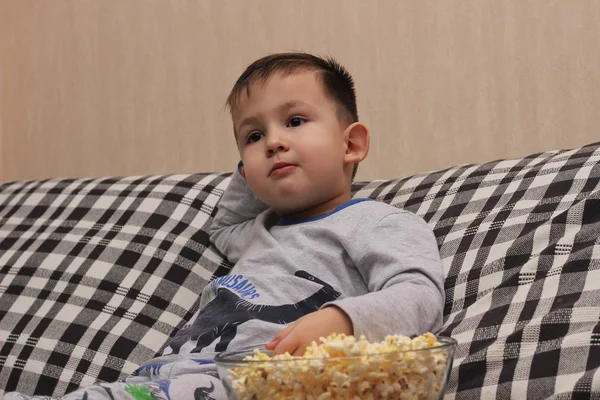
183 377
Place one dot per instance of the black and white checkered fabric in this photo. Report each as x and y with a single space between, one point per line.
520 243
96 275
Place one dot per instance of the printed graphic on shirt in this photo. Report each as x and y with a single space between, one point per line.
203 393
221 317
237 284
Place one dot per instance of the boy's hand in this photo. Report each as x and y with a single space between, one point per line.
295 338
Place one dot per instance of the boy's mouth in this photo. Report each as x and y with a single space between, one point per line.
280 168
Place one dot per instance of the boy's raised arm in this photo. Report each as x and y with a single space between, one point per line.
231 229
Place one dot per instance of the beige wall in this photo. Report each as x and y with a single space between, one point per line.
113 87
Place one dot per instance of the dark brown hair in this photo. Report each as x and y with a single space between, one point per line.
337 82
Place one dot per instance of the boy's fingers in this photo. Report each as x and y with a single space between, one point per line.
288 343
279 337
299 351
273 343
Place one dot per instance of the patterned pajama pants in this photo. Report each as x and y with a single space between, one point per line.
163 378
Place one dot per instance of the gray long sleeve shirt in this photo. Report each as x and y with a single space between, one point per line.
378 263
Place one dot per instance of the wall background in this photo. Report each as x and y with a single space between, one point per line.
112 87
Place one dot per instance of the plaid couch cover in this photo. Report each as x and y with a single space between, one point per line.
96 275
520 244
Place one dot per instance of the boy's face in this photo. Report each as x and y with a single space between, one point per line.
293 145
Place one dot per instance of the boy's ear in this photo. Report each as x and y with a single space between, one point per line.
240 168
358 141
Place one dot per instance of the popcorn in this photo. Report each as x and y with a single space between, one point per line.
342 367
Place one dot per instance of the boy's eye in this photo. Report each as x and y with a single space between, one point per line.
254 137
295 122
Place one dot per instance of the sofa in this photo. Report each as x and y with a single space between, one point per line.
97 274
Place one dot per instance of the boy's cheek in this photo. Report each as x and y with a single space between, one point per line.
250 181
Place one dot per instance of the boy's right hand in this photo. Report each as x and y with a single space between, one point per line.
295 338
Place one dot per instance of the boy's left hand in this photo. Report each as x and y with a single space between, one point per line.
295 338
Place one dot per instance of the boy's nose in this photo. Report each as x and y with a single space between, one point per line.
276 143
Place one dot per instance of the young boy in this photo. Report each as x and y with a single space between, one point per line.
309 260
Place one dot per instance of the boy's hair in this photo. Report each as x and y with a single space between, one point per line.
337 81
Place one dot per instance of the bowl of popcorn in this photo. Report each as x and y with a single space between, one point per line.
342 367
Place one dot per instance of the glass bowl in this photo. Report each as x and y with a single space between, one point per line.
410 374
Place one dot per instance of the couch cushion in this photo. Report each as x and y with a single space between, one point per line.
519 240
96 275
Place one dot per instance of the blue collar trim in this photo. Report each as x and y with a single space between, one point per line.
293 221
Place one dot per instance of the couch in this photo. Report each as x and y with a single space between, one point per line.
97 274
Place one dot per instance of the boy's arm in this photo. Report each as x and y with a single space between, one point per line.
231 229
399 260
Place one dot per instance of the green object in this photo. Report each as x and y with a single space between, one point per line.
139 392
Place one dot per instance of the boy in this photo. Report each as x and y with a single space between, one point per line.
307 256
